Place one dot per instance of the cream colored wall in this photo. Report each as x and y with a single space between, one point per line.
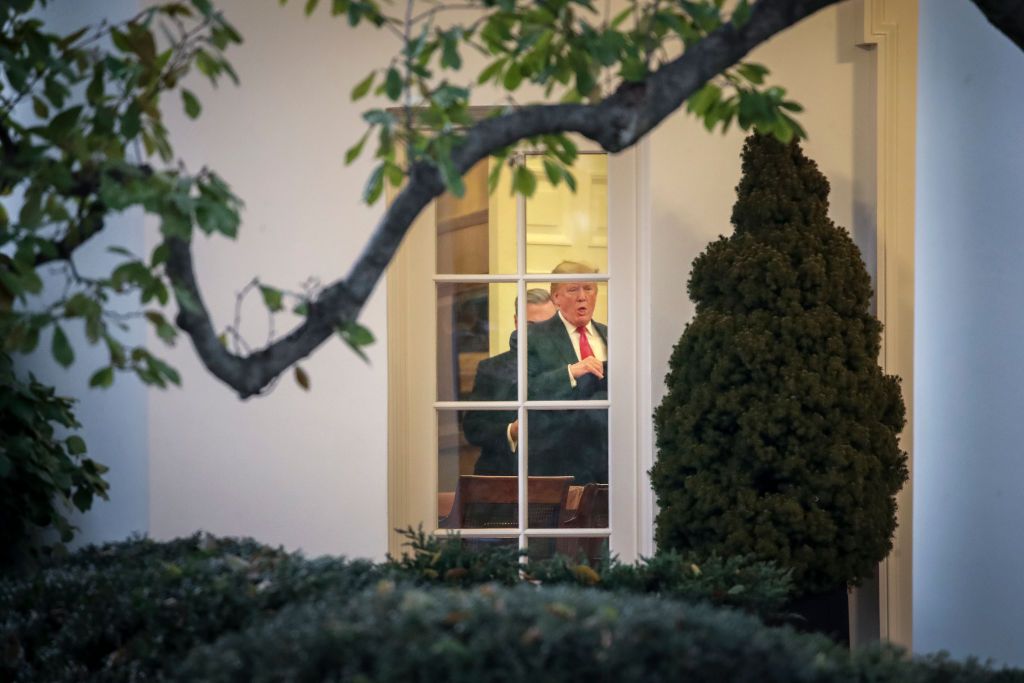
694 174
303 469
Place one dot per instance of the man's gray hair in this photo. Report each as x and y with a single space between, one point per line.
534 297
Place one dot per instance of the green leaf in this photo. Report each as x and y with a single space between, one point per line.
513 77
553 172
311 6
301 378
492 70
186 300
104 377
703 99
61 348
164 329
363 87
754 73
622 16
62 123
192 106
374 185
741 15
356 149
76 445
39 108
273 298
393 84
523 181
356 336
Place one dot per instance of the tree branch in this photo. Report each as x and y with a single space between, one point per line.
1007 16
616 123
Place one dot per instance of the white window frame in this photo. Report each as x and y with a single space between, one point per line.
412 373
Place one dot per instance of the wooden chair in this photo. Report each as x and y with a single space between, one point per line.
591 513
484 502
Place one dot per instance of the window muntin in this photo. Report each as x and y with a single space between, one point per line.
559 436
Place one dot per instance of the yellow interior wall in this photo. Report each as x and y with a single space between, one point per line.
560 225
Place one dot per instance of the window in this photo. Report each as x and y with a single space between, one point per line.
493 432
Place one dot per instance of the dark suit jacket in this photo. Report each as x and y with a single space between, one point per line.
495 381
565 442
549 352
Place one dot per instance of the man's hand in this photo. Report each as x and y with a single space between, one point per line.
590 365
513 430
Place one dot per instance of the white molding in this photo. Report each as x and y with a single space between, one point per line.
644 370
890 27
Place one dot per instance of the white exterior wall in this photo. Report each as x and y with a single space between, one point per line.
968 556
694 174
303 469
114 421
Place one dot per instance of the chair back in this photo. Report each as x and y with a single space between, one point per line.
485 502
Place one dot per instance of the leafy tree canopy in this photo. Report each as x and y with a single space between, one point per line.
82 138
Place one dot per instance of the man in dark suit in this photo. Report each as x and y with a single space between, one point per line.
496 432
567 359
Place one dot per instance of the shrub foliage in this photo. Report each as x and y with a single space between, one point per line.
43 474
207 609
778 434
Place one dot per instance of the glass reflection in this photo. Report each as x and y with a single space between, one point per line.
476 233
571 443
563 224
471 328
466 500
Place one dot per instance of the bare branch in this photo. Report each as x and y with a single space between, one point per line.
616 123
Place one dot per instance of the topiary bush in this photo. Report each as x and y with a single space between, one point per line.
778 436
43 475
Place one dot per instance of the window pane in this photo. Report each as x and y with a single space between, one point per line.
556 347
466 498
562 225
591 550
476 233
475 323
570 446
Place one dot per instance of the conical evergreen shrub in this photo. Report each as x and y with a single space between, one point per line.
778 437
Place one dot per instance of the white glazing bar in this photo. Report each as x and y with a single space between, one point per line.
558 533
567 405
524 447
472 279
527 277
507 532
513 405
565 277
476 405
512 532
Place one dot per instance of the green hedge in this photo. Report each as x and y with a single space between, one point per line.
219 609
528 634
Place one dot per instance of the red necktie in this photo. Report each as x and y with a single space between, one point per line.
585 350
